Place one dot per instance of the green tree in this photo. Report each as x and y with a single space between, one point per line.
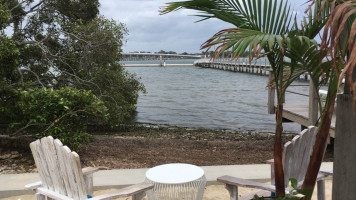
162 52
61 44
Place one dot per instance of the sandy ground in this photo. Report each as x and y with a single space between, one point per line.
213 192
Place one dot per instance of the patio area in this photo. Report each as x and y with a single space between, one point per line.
107 180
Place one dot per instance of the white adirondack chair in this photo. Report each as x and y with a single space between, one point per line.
296 157
63 178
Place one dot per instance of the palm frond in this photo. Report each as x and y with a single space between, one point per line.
318 12
239 40
247 14
339 39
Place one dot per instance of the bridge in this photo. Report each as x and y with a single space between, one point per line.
157 56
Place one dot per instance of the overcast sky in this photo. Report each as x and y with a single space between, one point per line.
176 31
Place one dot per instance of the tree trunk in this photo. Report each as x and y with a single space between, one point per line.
318 152
278 166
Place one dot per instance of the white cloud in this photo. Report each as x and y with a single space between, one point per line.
176 31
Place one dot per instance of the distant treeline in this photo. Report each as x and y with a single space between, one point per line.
208 53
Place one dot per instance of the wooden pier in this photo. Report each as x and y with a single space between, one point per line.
235 66
303 113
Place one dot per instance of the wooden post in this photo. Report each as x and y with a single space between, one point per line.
271 94
313 105
265 62
344 178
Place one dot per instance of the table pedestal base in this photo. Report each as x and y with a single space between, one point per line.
193 190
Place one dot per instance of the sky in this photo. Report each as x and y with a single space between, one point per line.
176 31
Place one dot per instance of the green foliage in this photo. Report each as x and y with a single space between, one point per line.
9 54
108 80
167 52
62 113
85 10
4 15
294 193
62 49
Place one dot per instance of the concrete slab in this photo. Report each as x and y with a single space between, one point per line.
14 184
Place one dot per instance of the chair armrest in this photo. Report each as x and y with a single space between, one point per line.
270 161
89 170
246 183
33 186
326 172
125 192
88 178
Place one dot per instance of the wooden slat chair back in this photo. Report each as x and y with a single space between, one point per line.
59 168
296 155
63 178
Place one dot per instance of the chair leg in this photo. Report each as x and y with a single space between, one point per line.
272 175
321 189
40 196
88 180
139 196
233 191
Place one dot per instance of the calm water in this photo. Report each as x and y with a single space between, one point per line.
191 96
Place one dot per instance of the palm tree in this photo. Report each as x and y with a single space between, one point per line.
263 25
338 43
260 26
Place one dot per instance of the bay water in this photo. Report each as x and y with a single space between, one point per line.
195 97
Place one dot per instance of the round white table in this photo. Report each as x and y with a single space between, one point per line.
176 181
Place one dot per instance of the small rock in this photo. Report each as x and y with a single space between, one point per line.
34 170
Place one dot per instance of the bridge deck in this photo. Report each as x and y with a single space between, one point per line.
154 65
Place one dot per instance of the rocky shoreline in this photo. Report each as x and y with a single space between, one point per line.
150 145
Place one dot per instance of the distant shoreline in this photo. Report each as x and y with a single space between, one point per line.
154 65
